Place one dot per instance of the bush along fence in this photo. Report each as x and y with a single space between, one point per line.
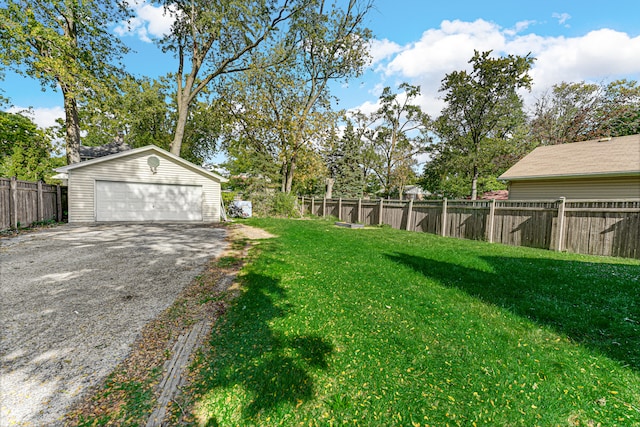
595 227
22 202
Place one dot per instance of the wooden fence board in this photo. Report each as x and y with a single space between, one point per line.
5 213
370 213
349 211
597 227
426 218
23 203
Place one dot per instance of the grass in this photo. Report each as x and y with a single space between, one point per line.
384 327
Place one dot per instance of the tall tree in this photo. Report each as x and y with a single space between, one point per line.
572 112
398 132
262 106
333 45
621 108
24 149
213 38
291 103
449 170
567 113
482 107
344 163
142 113
138 111
64 44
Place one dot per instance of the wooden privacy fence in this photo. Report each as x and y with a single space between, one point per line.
23 203
595 227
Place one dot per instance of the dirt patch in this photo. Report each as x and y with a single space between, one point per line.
249 232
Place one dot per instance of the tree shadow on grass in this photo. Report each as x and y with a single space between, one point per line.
263 367
594 304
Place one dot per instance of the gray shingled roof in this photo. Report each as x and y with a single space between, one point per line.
103 150
605 157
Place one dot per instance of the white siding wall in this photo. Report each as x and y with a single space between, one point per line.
134 168
587 188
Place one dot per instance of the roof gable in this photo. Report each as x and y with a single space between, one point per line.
149 149
604 157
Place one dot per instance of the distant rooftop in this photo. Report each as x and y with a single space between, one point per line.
618 156
117 146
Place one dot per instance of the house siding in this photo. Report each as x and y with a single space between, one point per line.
577 188
134 168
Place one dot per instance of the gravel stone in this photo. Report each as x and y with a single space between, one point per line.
73 300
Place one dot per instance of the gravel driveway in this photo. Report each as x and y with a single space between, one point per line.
73 299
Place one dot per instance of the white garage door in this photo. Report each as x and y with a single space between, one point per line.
128 201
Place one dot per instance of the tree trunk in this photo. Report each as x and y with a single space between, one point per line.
183 115
474 184
283 180
329 188
289 180
72 125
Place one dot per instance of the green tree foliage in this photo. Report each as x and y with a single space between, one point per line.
142 112
214 38
482 120
65 44
621 108
345 164
138 111
24 149
397 133
572 112
283 102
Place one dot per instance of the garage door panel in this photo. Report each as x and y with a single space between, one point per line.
127 201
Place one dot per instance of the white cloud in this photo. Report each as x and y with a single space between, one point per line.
600 55
519 27
41 116
149 21
382 49
447 48
367 107
562 18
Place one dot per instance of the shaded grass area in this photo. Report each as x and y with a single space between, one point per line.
385 327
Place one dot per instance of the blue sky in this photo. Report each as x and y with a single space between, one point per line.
419 41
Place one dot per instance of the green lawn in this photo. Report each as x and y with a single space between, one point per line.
384 327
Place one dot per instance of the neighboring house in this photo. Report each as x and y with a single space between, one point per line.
415 192
607 168
117 146
495 195
142 184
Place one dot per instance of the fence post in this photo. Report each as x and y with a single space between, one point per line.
359 210
492 216
560 236
40 202
380 212
13 202
340 209
324 207
313 205
443 221
59 203
409 215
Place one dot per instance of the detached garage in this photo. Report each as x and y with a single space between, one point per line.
144 184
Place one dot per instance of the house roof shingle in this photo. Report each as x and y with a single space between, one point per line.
114 147
618 156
